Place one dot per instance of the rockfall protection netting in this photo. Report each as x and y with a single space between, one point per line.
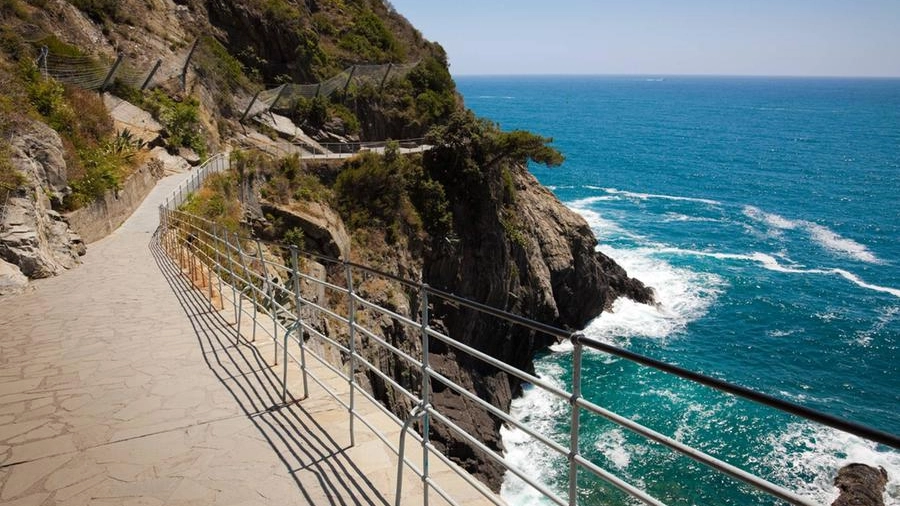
284 96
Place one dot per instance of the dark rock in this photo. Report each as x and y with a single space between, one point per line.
860 485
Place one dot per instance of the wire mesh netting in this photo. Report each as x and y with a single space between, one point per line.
286 95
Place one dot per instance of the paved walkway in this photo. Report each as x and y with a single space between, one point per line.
118 385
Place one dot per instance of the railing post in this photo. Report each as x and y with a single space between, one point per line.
219 267
249 280
232 282
295 268
576 419
426 392
271 296
351 317
209 281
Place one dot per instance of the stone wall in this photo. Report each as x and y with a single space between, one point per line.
99 219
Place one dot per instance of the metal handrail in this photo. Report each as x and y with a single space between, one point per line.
179 228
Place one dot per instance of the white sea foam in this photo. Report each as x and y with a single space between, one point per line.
681 295
646 196
888 314
613 445
806 458
676 217
820 234
538 409
771 263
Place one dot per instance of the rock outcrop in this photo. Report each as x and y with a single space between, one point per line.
860 485
526 253
12 280
32 235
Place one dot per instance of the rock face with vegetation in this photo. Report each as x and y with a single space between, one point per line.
33 236
465 216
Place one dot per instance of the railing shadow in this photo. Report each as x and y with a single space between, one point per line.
299 441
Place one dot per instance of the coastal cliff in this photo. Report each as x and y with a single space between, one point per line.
466 216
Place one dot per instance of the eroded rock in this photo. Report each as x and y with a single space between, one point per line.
12 280
32 235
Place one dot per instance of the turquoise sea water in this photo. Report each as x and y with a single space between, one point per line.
766 213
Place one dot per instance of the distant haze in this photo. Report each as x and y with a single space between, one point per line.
724 37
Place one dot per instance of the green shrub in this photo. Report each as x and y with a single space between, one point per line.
310 189
217 201
181 120
392 192
369 40
103 171
295 237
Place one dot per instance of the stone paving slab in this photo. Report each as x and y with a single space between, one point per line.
119 384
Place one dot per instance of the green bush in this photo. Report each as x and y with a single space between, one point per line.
295 237
102 172
392 192
181 120
217 201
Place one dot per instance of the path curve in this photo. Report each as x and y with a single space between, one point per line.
119 386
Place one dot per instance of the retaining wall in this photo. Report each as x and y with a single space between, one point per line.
99 219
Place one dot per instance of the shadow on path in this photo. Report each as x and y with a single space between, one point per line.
300 442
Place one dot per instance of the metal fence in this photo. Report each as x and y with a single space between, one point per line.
287 302
286 95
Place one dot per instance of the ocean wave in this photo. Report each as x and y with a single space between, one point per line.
539 410
646 196
820 234
670 217
771 263
807 457
682 296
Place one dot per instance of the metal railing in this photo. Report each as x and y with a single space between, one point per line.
290 305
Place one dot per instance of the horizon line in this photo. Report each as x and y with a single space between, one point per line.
600 74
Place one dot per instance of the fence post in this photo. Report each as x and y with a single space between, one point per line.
150 75
278 96
112 72
295 268
42 60
351 317
384 79
350 78
426 392
247 110
576 419
187 62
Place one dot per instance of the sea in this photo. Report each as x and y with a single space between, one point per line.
765 212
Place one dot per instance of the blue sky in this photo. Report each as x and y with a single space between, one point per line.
749 37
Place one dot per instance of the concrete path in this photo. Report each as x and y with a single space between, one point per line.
119 385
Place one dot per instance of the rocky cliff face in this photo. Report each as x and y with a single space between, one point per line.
33 236
529 255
